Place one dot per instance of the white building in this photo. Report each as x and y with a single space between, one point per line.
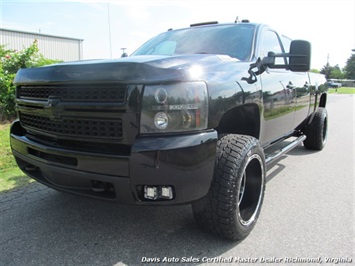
50 46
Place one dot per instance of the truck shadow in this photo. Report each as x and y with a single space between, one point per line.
61 229
301 151
68 230
276 167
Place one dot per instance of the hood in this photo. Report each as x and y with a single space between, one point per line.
135 70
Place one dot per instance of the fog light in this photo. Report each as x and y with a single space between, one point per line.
158 193
151 193
166 193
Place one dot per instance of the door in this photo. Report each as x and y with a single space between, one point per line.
278 92
301 89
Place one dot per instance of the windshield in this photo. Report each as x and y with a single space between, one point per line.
233 40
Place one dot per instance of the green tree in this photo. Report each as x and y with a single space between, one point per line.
10 62
350 67
336 73
3 51
332 72
326 71
7 94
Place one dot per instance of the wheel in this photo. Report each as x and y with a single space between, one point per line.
232 205
317 131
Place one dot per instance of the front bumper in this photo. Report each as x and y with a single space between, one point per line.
184 162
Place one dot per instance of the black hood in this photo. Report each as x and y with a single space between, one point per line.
136 69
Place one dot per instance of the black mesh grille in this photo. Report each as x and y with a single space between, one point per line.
93 128
95 92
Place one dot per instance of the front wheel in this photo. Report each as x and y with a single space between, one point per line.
233 203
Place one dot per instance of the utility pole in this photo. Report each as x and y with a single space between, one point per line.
109 27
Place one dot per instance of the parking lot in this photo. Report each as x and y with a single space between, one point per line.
307 216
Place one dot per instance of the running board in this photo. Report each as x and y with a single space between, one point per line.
274 156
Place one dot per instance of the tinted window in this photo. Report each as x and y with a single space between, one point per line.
270 43
233 40
286 43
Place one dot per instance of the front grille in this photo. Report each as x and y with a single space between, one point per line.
72 127
75 92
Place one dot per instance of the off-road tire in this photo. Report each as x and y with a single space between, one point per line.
317 131
228 210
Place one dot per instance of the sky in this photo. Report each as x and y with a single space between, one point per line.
108 26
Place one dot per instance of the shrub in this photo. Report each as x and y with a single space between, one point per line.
7 95
10 62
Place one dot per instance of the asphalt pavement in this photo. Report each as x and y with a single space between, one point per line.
307 218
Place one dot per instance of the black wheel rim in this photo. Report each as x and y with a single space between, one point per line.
325 130
250 191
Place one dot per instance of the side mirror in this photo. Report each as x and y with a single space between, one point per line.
300 56
299 61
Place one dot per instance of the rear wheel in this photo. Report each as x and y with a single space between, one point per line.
233 203
317 131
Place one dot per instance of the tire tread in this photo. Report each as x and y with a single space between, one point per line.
216 211
314 131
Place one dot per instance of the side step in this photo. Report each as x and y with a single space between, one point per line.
274 156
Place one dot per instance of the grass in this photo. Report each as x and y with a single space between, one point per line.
342 90
10 175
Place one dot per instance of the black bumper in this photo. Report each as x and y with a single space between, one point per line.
184 162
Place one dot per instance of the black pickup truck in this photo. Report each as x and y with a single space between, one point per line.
193 116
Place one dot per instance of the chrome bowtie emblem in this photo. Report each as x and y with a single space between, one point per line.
53 108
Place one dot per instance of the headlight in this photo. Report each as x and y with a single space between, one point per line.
174 108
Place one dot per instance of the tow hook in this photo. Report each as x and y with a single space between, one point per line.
30 168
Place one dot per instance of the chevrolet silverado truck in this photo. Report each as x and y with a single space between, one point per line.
194 115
